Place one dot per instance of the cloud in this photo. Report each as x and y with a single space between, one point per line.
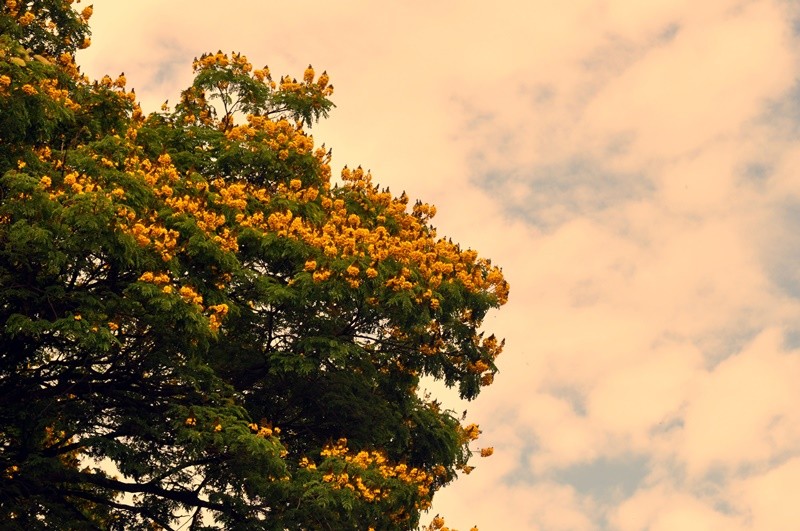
700 86
663 509
605 480
768 499
743 414
551 194
639 399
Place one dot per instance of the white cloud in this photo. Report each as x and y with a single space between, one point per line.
700 86
646 394
663 509
769 500
745 411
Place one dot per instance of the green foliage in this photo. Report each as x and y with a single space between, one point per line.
196 327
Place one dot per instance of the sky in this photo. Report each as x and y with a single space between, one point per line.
632 167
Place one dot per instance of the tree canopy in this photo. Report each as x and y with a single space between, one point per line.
199 327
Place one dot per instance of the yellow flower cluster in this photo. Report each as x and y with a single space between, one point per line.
289 84
219 311
10 472
86 14
363 460
233 196
147 233
478 367
221 60
470 432
321 275
190 295
26 18
5 82
263 74
438 524
306 463
226 240
13 7
264 430
50 88
67 63
119 83
280 136
74 182
335 450
155 278
493 346
308 75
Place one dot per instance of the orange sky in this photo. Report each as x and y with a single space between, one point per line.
632 166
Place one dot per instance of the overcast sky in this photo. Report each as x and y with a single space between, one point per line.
632 165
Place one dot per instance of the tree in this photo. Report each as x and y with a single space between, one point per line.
196 326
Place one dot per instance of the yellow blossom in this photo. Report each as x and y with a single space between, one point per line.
190 295
472 432
9 472
320 276
308 75
27 18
